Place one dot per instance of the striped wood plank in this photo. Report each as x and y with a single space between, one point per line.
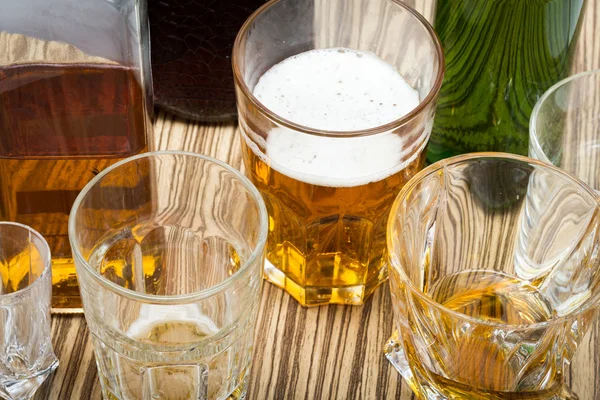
332 352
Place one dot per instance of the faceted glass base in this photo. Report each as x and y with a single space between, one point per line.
395 355
429 391
24 386
317 296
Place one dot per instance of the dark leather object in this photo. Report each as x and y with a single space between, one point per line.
191 43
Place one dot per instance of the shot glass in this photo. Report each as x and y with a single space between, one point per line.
565 127
26 354
494 277
170 272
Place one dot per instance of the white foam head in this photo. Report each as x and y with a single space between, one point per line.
336 90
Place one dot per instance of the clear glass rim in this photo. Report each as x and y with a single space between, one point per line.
255 254
440 165
431 96
46 257
534 139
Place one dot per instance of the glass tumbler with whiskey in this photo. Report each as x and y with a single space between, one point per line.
74 98
494 278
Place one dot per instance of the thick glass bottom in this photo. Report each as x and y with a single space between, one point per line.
239 393
309 296
440 388
26 382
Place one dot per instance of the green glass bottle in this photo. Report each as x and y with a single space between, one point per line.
501 56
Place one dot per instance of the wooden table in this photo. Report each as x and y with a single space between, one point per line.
332 352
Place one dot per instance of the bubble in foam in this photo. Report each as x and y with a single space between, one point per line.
336 90
332 89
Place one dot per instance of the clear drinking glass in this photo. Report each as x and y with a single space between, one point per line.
75 97
565 127
327 240
171 286
494 277
26 355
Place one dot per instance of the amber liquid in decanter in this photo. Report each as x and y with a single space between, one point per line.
60 125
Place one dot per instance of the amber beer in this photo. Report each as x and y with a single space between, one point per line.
323 237
328 195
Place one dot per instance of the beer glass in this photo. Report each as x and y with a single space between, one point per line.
75 97
565 127
171 285
326 240
494 277
26 355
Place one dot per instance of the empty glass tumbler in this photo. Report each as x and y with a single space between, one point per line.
565 127
170 270
494 277
26 355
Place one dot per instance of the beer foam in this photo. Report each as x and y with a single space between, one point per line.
336 90
337 162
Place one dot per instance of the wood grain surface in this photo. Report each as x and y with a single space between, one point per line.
332 352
